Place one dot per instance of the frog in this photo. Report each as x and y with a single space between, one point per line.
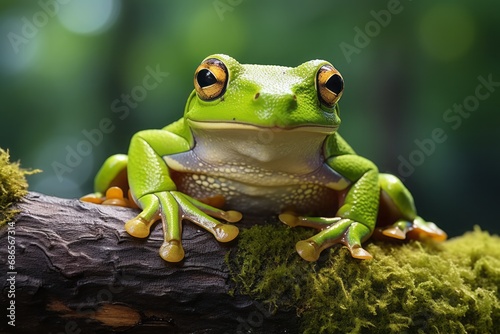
259 140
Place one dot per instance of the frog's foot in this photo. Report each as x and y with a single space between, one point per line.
114 196
332 231
172 207
418 229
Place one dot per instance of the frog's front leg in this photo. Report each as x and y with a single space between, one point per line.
157 195
356 217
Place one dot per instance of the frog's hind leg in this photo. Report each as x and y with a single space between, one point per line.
111 183
398 209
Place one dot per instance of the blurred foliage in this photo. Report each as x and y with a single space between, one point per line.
67 65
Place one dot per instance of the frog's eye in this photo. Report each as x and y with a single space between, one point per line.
330 85
210 79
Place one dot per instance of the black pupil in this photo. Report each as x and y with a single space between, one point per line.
206 78
335 84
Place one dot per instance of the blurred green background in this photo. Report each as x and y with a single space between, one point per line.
67 67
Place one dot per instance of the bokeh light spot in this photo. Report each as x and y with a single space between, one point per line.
17 51
446 31
89 16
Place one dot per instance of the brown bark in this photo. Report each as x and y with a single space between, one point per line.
78 271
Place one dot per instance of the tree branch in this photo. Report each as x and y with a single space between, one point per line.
78 271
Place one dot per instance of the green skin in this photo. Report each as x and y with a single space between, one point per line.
267 145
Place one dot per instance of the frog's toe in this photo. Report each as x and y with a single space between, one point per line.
308 250
397 230
138 227
426 230
225 232
289 219
360 253
95 198
319 223
114 196
172 251
231 216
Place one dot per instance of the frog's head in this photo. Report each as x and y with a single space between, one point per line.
230 95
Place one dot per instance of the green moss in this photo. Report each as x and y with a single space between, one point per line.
409 288
13 185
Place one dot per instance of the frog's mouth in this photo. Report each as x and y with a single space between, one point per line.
215 125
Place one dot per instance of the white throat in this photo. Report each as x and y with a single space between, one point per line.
294 150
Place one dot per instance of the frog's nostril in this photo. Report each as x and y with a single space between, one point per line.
256 96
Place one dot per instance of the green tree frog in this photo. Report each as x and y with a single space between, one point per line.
261 140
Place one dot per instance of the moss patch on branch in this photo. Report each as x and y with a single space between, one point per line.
13 185
410 288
